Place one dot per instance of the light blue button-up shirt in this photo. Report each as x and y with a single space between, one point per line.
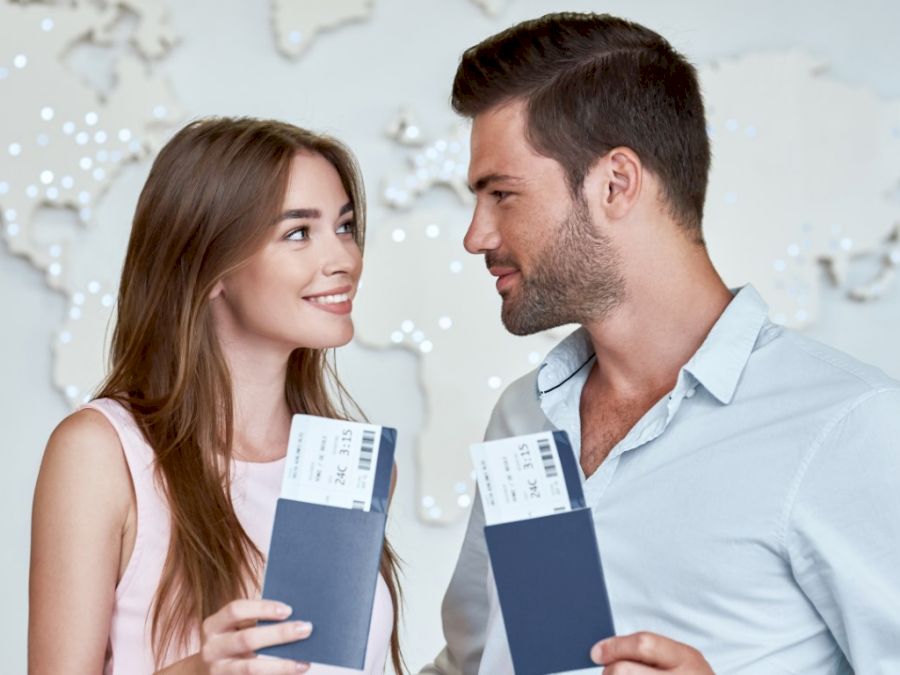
752 513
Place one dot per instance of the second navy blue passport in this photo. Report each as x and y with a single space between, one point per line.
550 583
324 562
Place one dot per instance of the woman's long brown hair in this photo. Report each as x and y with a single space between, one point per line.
208 204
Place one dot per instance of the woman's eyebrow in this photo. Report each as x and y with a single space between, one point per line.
299 213
310 213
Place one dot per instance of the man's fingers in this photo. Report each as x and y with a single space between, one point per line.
629 668
647 648
238 612
235 644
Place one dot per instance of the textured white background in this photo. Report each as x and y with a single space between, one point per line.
350 82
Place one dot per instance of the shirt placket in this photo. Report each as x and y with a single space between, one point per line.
647 429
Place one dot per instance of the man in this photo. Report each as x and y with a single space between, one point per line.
744 481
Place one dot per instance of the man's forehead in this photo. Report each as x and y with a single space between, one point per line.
498 143
506 121
500 150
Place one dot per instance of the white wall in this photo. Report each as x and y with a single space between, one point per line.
351 82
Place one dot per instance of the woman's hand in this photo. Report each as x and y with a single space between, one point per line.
230 637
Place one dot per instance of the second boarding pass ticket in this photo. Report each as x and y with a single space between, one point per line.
520 478
331 462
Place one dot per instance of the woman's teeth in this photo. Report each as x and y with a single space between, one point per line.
330 299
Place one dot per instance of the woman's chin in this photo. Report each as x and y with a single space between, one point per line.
330 341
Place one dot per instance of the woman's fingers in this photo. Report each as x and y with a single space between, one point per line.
238 612
235 644
263 666
230 638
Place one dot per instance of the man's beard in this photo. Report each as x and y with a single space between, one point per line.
577 278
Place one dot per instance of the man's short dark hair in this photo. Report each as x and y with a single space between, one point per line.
593 82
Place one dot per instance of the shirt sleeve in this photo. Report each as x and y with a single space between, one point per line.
843 531
465 609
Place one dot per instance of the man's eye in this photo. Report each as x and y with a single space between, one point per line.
499 195
348 227
298 234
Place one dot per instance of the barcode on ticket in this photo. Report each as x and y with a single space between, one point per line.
367 450
331 462
547 457
520 478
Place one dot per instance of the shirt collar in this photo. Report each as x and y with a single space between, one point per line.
564 361
717 364
720 361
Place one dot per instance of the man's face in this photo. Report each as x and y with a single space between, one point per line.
552 261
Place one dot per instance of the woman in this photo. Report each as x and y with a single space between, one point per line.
154 502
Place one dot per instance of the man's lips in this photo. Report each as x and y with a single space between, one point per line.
505 276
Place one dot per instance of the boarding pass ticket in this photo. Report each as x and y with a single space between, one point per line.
331 462
520 478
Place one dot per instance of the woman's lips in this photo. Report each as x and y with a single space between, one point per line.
337 301
344 307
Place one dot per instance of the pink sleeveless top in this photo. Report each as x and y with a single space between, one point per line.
255 490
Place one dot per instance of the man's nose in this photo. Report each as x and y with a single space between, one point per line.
482 235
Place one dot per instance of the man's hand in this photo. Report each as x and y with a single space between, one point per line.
645 653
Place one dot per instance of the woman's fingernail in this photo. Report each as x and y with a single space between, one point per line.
302 667
283 609
303 627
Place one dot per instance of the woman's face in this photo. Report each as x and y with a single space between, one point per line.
298 289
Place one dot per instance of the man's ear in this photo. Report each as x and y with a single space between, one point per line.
217 290
614 182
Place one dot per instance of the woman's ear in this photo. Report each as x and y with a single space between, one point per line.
217 290
614 182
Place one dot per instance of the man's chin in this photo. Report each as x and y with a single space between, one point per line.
516 329
518 324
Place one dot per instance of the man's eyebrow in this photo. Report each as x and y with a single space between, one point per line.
299 214
485 181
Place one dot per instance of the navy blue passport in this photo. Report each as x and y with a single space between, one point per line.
550 582
324 562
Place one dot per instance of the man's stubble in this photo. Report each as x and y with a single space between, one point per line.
577 278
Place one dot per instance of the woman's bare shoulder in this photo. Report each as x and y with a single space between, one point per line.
84 453
81 503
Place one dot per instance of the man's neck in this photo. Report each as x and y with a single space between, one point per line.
640 348
642 345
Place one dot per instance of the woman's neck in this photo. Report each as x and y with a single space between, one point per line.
262 418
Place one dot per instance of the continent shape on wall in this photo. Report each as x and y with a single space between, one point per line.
297 22
62 147
806 170
155 35
443 162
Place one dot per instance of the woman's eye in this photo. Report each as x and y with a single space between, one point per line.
348 227
298 234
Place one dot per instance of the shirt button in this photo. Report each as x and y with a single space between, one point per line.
690 392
